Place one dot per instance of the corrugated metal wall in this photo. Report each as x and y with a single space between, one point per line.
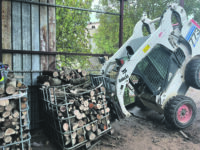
28 27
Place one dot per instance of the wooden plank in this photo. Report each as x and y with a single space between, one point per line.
16 36
52 35
43 35
35 41
6 31
26 34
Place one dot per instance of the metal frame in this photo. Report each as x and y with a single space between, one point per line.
121 23
54 123
51 53
62 6
1 31
12 51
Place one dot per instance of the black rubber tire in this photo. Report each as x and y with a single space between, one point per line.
192 73
171 110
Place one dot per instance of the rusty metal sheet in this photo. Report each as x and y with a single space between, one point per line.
16 35
6 31
52 35
26 36
35 41
43 35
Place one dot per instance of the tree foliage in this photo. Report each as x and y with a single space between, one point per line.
71 32
107 37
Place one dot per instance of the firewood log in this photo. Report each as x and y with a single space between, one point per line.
63 108
6 114
102 126
92 93
78 114
9 107
94 127
55 81
25 135
98 131
86 103
102 111
2 88
73 135
1 134
15 123
90 135
77 80
11 86
107 110
81 107
92 117
73 141
74 126
88 127
9 131
68 140
46 83
81 138
81 123
55 74
83 115
7 139
4 102
2 120
23 105
99 117
65 127
2 108
98 106
83 73
7 123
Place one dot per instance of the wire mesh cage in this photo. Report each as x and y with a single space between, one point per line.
15 124
74 119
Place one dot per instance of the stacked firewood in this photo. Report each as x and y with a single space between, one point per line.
10 85
10 105
64 76
82 111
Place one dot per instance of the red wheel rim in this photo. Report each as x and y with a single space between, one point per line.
184 113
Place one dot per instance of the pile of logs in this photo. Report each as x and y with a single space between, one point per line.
64 76
10 127
10 85
82 111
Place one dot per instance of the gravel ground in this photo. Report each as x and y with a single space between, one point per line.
150 133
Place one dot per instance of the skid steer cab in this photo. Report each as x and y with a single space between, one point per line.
159 67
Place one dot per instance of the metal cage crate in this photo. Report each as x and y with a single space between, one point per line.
52 103
22 142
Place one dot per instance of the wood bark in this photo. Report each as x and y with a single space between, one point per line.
90 135
11 86
4 102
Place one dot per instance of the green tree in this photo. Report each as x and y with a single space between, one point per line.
71 32
107 37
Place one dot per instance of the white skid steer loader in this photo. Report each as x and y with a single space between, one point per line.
166 63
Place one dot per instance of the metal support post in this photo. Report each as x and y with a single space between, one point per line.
181 3
1 31
121 23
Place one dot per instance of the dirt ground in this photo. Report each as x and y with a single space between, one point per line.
147 131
